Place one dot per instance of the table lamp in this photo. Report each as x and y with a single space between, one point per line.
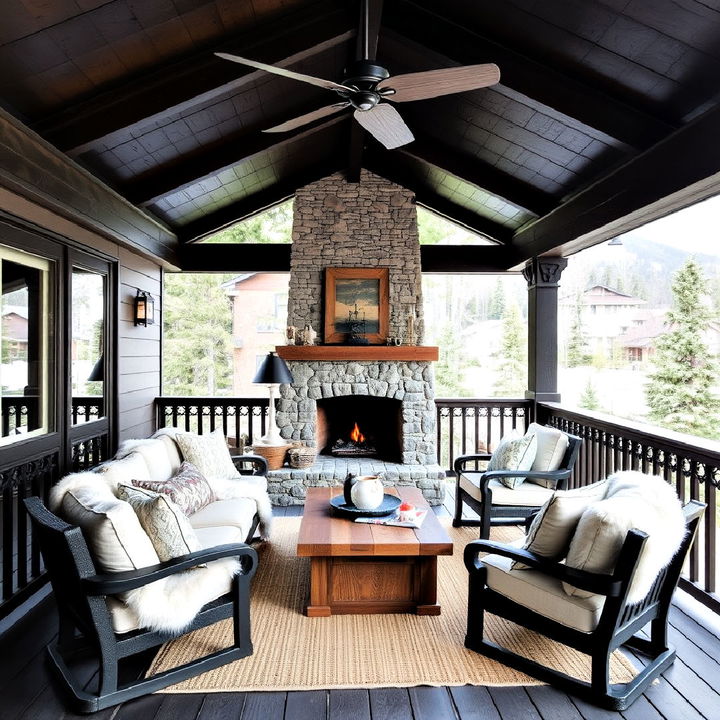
272 372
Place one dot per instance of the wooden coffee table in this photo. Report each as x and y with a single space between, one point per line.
357 568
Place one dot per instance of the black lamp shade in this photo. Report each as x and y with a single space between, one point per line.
98 371
273 371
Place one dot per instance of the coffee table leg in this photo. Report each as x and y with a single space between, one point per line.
318 604
427 601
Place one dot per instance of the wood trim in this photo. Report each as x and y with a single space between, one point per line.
319 353
335 274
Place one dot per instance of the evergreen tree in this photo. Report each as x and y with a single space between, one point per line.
197 347
589 399
448 369
512 373
497 301
577 352
679 390
271 226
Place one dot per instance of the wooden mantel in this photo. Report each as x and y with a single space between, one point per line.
321 353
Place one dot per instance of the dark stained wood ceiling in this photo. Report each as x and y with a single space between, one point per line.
131 90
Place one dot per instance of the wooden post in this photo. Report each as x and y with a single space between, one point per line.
543 275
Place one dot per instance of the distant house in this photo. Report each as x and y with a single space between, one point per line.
605 314
640 339
259 318
14 333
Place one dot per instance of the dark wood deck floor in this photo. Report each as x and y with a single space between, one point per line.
686 692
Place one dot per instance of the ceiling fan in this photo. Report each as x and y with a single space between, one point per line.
368 87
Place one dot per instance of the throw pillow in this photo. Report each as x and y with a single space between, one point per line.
634 500
164 522
209 453
552 528
551 447
111 528
514 453
189 490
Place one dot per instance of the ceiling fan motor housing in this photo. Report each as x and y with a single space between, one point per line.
362 78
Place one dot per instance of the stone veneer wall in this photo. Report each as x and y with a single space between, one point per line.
410 382
369 224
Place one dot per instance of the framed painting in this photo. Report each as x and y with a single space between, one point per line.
356 298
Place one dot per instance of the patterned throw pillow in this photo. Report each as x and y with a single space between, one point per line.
209 453
169 530
514 453
189 490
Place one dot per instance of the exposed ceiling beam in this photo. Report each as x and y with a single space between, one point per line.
481 174
274 257
226 154
387 165
689 156
199 78
255 203
539 82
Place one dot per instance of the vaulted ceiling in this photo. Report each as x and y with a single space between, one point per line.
575 134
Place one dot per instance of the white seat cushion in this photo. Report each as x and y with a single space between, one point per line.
545 595
235 512
221 535
156 456
527 495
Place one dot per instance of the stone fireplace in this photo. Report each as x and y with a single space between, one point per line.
388 391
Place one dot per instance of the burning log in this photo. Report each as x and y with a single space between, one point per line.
356 446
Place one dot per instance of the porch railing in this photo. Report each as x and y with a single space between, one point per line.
239 418
691 464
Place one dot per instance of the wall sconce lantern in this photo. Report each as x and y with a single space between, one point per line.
144 308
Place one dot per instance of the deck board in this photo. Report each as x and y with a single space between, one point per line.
684 693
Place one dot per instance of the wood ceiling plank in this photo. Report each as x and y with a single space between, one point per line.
195 79
229 152
480 174
536 81
691 155
255 203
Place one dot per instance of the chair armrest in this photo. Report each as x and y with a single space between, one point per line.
114 583
259 463
592 582
461 460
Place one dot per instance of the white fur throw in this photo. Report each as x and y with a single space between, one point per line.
170 604
633 500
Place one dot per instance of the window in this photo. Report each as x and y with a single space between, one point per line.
25 392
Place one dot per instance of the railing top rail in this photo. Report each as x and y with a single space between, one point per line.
707 450
482 402
188 400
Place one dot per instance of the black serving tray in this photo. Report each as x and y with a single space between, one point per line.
389 504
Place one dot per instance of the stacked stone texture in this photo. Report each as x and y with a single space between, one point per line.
368 224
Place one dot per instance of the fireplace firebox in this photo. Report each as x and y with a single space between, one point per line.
360 426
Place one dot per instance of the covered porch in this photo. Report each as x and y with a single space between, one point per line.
125 143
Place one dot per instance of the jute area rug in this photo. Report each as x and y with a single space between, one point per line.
294 652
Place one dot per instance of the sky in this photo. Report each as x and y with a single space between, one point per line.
695 229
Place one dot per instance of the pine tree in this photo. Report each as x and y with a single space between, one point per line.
197 347
512 373
497 302
448 370
679 390
577 353
589 399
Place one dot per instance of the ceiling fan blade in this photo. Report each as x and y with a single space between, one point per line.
433 83
308 118
327 84
384 123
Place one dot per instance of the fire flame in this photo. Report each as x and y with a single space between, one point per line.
356 435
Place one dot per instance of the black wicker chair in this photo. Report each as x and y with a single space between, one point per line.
617 625
85 625
474 488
